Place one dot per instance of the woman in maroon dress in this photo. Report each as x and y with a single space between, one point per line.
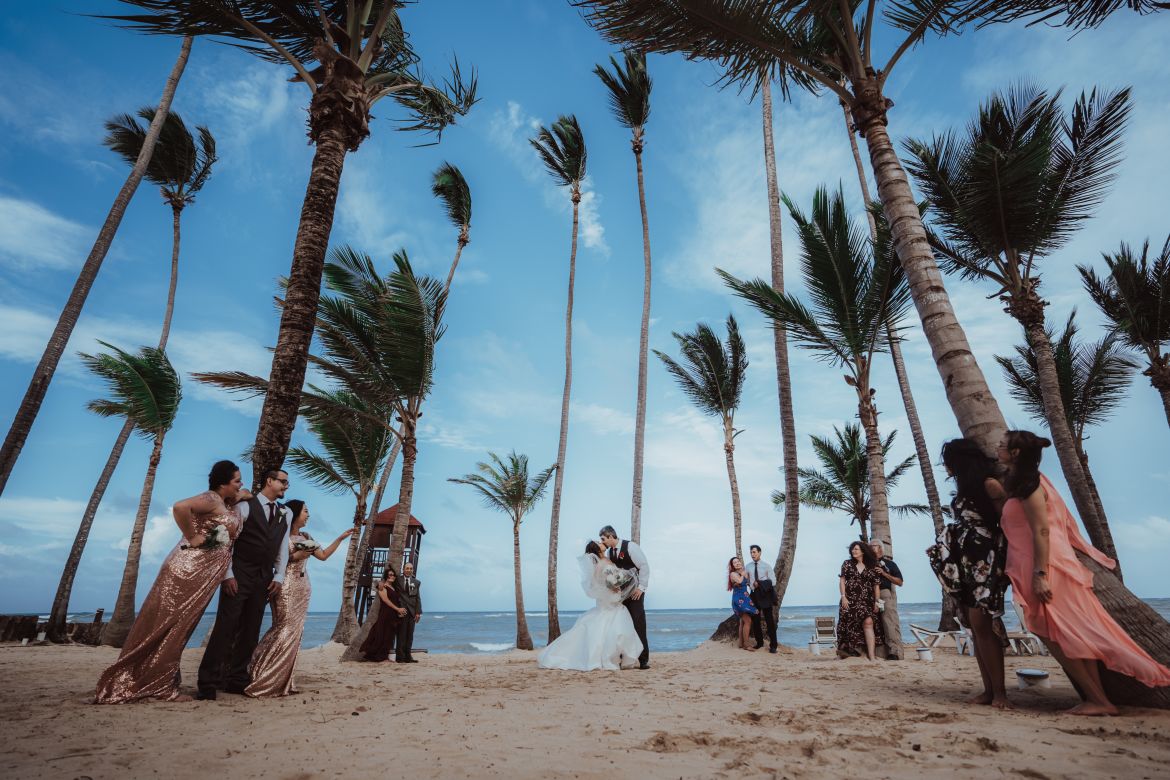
857 625
380 641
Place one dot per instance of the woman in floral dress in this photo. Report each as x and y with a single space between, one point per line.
969 560
858 628
741 601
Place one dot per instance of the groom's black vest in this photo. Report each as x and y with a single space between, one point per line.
622 559
258 544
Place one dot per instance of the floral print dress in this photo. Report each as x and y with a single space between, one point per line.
969 559
741 599
859 590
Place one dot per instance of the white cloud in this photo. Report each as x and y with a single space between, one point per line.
602 419
32 238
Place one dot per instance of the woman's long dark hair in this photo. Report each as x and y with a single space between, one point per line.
595 548
730 569
223 472
867 556
295 506
1023 477
970 468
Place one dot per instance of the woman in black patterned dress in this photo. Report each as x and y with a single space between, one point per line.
969 560
858 628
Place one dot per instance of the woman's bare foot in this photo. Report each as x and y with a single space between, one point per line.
1002 703
981 698
1093 710
183 698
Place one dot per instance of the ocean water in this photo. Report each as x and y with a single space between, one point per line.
667 629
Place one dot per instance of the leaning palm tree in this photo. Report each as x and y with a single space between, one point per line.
843 484
353 449
349 55
30 404
449 186
628 87
856 292
1010 192
711 374
1093 382
180 167
145 388
1135 298
561 148
504 485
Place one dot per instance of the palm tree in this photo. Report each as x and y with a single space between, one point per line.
832 47
504 485
711 374
1093 380
843 484
786 555
145 388
629 88
180 167
854 299
449 186
349 55
1011 191
1135 298
30 405
353 450
562 150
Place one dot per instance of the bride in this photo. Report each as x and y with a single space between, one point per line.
604 637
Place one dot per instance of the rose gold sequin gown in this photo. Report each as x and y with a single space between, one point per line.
276 655
148 667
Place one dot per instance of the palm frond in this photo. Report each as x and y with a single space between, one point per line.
628 88
561 148
449 186
710 373
504 484
144 387
1135 296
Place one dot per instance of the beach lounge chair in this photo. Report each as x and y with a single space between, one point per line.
824 633
1024 642
930 638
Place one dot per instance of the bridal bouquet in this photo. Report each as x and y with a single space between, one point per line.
307 545
617 579
216 537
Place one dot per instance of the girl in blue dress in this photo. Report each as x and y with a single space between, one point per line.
741 601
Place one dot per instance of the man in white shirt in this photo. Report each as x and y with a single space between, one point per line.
628 555
764 598
256 574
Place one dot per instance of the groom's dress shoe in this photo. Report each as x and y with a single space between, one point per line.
644 666
771 649
236 689
206 695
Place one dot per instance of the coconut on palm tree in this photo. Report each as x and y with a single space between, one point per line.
561 147
144 388
856 290
843 484
711 373
1135 298
449 186
34 396
504 485
1010 192
349 56
180 167
353 448
628 87
1093 381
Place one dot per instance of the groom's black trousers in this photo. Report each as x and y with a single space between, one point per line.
637 609
768 614
236 632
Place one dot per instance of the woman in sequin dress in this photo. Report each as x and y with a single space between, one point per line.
148 666
858 627
275 657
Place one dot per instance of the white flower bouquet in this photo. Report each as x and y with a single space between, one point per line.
216 537
306 545
617 579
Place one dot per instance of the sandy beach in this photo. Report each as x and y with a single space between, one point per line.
709 712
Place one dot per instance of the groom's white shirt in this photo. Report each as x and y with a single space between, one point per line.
282 557
638 558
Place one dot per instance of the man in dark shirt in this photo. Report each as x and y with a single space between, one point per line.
891 578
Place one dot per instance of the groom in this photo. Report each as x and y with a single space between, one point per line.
255 575
628 555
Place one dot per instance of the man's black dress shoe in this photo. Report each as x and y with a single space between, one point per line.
644 666
771 649
206 695
236 689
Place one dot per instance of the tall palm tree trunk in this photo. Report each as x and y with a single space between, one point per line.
875 459
948 607
733 481
299 312
60 611
1159 373
346 625
523 638
405 493
114 634
354 649
454 263
42 376
554 526
1062 437
1083 457
787 552
643 355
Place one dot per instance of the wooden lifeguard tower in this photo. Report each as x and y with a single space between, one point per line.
376 555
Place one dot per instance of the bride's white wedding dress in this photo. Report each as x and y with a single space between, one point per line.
602 638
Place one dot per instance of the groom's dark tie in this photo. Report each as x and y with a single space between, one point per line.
757 565
271 512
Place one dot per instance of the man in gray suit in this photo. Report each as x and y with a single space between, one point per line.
410 589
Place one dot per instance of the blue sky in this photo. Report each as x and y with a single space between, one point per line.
500 365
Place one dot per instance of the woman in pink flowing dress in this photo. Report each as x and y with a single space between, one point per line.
276 655
1054 589
148 666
